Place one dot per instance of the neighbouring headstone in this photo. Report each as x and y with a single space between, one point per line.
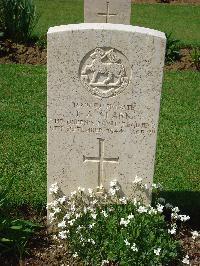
107 11
104 88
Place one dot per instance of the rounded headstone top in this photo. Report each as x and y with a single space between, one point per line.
106 26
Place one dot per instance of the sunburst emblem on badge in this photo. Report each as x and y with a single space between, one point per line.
105 72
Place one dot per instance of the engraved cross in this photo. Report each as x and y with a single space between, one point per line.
100 160
107 14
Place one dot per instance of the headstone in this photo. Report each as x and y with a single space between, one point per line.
107 11
104 88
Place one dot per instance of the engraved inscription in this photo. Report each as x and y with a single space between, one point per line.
107 14
105 72
96 117
100 160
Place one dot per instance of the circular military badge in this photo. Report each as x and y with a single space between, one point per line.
105 72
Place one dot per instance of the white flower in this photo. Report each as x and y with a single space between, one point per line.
195 234
157 251
55 237
51 216
91 241
184 218
145 186
94 201
159 207
134 248
101 187
142 209
81 189
79 227
75 255
124 222
174 216
90 191
62 234
54 188
91 209
111 209
104 262
73 193
112 191
186 260
156 186
113 183
73 208
175 210
91 225
172 231
117 188
67 216
78 215
94 215
135 201
126 242
104 213
123 200
130 216
85 210
52 204
137 180
71 222
57 210
62 200
62 224
152 211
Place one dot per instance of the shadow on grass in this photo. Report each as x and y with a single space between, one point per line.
188 203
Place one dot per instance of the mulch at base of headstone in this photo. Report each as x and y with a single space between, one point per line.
44 251
191 247
12 53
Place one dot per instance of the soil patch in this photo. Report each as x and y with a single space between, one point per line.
44 251
185 62
13 53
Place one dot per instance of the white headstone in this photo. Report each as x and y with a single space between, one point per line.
104 88
107 11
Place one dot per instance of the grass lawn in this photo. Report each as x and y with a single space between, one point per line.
183 21
23 135
23 132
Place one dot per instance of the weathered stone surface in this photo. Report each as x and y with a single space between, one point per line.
107 11
104 87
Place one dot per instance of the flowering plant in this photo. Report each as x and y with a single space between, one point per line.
103 226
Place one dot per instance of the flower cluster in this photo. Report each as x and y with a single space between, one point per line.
195 235
99 223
